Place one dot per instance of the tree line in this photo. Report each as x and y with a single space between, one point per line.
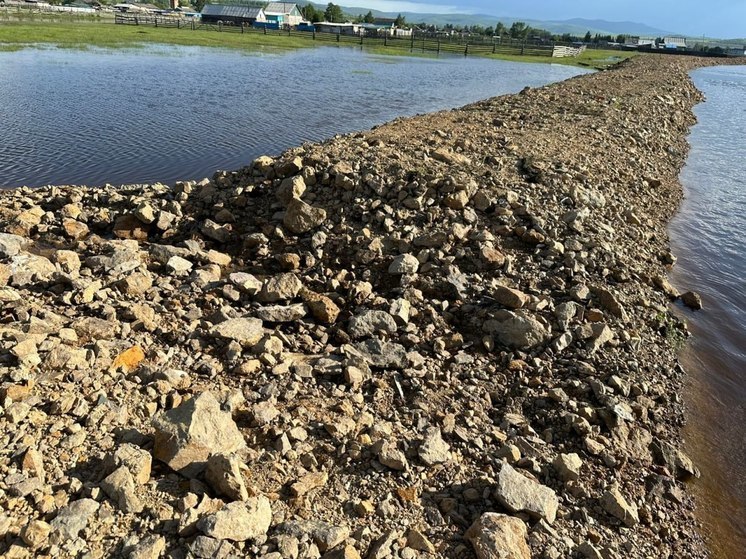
518 30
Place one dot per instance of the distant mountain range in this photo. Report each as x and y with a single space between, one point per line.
576 26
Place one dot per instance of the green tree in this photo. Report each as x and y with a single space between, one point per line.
310 13
519 30
500 29
198 4
400 21
588 38
333 13
369 17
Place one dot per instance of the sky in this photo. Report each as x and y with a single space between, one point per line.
713 18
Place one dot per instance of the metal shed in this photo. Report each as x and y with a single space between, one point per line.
237 15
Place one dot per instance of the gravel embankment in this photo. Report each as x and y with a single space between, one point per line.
446 336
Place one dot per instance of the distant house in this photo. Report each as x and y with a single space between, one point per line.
338 28
130 8
385 27
639 41
235 15
283 14
674 43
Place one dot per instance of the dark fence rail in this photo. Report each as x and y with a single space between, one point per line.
450 45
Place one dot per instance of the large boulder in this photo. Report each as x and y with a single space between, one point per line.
518 329
186 436
239 521
301 217
246 331
517 493
498 536
368 323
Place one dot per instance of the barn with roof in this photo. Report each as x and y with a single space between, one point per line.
234 15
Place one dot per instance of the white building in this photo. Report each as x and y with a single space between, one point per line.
639 41
283 13
674 42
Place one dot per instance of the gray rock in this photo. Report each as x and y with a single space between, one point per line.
291 187
385 355
209 548
10 245
510 298
74 518
616 505
325 535
692 300
567 466
391 457
282 313
404 264
434 450
223 474
518 329
368 323
239 521
179 266
677 462
120 487
151 546
517 493
498 536
186 436
135 459
246 331
282 287
246 282
301 217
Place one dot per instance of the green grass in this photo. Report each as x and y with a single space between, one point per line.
108 35
92 33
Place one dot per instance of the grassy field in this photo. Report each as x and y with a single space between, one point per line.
92 33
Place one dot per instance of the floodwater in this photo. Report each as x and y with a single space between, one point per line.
708 238
167 113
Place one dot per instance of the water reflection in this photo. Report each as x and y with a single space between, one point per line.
707 237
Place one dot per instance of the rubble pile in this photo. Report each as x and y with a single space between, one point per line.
448 336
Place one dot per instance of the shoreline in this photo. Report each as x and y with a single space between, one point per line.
17 35
460 298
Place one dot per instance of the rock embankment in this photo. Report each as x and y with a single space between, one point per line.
448 336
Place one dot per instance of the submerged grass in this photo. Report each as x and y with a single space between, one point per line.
83 34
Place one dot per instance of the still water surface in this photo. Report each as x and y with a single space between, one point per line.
708 237
166 113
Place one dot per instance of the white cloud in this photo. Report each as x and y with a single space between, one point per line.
416 7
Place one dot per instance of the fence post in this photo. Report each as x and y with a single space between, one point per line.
494 45
411 48
361 38
314 34
242 27
438 45
156 22
338 34
265 29
220 26
385 40
466 50
192 25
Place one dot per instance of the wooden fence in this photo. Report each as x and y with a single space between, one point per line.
414 43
